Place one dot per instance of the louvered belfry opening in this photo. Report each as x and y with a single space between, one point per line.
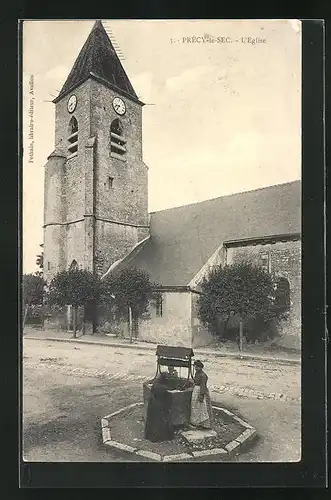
73 137
117 139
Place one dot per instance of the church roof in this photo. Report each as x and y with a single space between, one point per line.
182 239
98 58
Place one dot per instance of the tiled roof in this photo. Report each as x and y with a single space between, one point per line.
98 57
184 238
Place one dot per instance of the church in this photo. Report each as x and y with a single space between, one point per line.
96 207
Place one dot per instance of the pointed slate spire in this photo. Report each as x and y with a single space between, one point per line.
98 58
97 24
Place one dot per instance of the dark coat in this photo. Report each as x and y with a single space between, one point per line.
158 425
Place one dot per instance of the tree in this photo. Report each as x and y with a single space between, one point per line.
130 291
242 289
75 287
33 291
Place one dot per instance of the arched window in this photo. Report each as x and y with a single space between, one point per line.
73 266
117 139
282 295
73 137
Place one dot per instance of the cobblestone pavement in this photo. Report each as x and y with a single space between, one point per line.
246 379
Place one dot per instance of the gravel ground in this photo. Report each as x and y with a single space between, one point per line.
67 389
128 428
278 426
61 416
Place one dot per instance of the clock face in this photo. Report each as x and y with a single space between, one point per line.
72 103
119 106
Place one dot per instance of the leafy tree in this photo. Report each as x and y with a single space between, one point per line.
242 289
75 287
130 291
33 291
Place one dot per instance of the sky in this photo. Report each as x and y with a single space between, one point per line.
220 117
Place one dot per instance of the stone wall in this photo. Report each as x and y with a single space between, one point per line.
120 183
53 242
81 113
75 188
94 183
75 244
64 205
112 242
127 199
54 215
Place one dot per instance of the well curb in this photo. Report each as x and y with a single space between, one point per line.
230 449
202 352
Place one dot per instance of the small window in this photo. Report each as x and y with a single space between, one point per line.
117 139
73 137
73 266
110 182
48 266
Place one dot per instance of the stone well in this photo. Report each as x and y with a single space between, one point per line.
180 405
180 389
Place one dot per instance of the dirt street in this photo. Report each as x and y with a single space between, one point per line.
68 388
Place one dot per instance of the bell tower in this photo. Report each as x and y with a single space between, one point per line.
96 184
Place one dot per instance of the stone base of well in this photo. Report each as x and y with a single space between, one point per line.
123 431
198 435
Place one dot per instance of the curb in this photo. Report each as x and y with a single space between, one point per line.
230 449
152 348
